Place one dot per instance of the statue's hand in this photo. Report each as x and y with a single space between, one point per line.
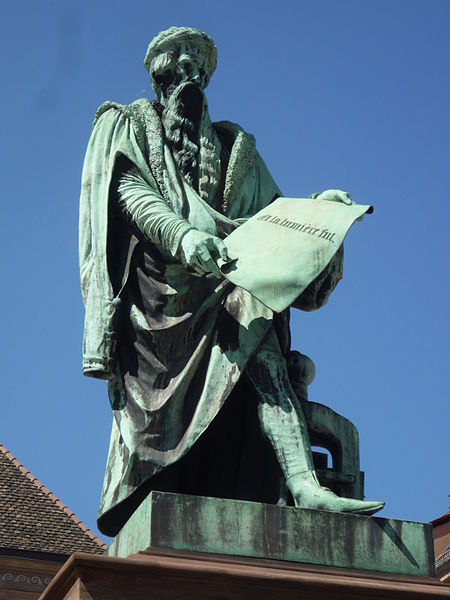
336 196
200 251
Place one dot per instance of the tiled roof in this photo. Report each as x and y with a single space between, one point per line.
33 519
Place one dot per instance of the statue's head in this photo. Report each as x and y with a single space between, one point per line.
180 62
177 56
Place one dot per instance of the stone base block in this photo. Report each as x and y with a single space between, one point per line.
249 529
172 575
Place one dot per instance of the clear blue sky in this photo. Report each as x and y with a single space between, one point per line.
351 94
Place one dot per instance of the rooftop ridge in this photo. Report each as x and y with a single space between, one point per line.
441 520
52 496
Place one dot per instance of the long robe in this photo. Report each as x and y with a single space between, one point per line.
172 345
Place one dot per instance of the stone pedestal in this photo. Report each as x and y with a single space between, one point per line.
179 547
250 529
175 575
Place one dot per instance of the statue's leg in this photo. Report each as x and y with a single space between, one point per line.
282 421
279 410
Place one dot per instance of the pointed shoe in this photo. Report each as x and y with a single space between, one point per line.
308 493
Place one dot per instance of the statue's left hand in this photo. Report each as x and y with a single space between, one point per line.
336 196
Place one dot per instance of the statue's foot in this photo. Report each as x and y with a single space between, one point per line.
308 493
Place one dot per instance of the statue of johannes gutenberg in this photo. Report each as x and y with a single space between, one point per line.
196 367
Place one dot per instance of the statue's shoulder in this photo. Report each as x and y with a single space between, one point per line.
232 131
140 111
241 143
243 156
105 107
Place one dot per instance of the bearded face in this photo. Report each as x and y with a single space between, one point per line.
179 77
182 118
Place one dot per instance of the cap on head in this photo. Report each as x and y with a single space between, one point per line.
188 35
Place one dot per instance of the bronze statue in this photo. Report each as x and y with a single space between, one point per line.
196 366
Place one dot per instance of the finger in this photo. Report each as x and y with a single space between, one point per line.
196 263
214 269
203 256
211 244
200 267
218 249
208 263
348 200
194 269
223 252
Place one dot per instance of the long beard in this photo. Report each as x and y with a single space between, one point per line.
192 139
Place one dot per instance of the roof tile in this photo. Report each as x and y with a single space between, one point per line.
34 519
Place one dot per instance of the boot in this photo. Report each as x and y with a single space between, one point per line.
308 493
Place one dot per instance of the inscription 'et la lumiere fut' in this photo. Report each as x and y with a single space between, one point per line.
190 259
301 227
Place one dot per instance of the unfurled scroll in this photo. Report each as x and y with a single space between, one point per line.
281 251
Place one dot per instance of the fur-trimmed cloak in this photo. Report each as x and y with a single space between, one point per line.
173 346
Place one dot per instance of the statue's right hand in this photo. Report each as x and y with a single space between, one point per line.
201 250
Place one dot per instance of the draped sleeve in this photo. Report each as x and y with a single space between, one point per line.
113 136
150 212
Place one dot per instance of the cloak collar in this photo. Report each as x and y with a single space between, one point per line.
150 135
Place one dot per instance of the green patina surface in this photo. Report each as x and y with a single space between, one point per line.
190 259
266 531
